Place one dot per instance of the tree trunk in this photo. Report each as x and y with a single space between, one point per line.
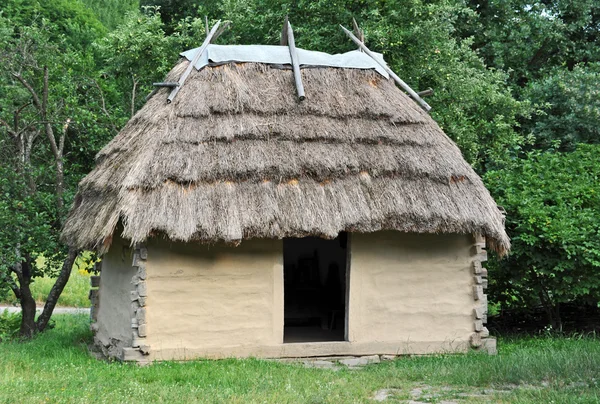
552 311
56 290
27 313
557 316
60 188
27 301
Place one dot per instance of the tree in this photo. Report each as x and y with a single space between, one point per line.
137 54
531 38
112 12
172 12
567 107
544 46
552 201
41 103
70 21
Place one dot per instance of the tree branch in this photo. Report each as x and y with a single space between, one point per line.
22 107
13 286
57 289
18 271
61 141
538 54
36 99
45 93
28 147
135 83
103 105
29 126
17 114
8 128
41 107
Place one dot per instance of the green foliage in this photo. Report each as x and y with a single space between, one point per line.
173 11
567 107
553 205
64 20
74 90
530 38
471 103
551 51
28 211
26 221
112 12
135 55
9 325
35 41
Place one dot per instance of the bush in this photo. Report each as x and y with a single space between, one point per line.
567 107
553 204
9 325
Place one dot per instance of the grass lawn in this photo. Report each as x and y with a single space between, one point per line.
56 367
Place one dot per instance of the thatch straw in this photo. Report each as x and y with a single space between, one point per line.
236 156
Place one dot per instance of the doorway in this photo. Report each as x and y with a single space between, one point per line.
315 289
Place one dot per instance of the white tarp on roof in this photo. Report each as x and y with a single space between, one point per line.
272 54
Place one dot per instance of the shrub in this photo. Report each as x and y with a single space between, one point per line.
9 325
553 204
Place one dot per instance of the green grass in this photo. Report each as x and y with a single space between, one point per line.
56 367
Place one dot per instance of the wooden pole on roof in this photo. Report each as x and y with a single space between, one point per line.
426 93
358 32
288 34
397 79
284 39
193 62
222 29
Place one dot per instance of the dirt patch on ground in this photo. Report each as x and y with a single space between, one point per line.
422 394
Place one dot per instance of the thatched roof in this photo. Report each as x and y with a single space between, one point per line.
237 156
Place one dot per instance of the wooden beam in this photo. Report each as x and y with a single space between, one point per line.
223 28
194 60
154 91
397 79
295 61
165 84
284 36
426 93
358 32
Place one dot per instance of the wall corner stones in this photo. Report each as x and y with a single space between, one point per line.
139 348
480 339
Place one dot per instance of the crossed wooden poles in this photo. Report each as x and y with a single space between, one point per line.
287 38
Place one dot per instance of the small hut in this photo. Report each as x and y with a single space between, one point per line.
235 219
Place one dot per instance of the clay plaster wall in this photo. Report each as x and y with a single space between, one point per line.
408 294
114 309
411 288
203 297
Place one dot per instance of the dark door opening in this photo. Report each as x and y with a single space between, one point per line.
315 289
